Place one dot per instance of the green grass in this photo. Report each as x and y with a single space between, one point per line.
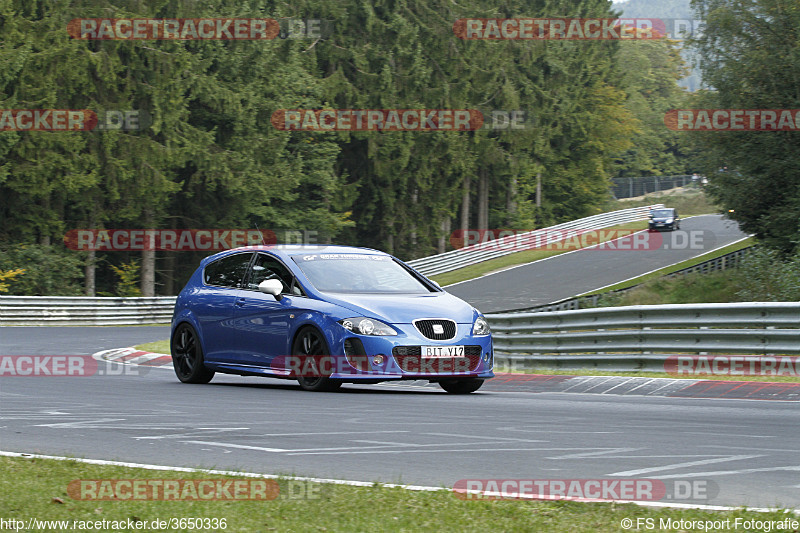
33 487
688 202
714 287
672 268
517 258
155 347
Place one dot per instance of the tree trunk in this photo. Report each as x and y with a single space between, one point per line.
413 228
465 205
148 281
168 276
89 271
442 246
91 266
538 189
483 201
44 237
511 202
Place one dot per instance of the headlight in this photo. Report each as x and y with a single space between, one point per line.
481 327
366 326
668 221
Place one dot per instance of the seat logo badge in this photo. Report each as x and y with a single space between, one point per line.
438 329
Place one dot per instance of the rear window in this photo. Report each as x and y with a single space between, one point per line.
228 271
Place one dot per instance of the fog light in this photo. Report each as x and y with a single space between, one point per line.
487 357
377 360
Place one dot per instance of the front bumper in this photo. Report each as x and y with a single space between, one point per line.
660 226
402 359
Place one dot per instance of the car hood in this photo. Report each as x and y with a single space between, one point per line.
403 308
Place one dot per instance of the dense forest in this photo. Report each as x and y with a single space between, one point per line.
204 154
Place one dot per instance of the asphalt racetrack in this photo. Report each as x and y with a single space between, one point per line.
705 451
573 273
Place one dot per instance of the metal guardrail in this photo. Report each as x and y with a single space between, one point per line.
600 338
84 310
723 262
477 253
605 363
757 328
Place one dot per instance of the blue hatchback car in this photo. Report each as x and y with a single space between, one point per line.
325 315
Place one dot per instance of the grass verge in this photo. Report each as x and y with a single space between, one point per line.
687 200
672 268
34 487
155 347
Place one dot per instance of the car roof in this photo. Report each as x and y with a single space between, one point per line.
288 250
298 249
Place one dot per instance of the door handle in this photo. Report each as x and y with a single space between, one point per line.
240 302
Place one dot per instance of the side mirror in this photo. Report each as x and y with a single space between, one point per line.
271 286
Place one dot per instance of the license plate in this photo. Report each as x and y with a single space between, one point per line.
442 351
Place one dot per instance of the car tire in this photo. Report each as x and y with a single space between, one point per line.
310 342
461 386
187 356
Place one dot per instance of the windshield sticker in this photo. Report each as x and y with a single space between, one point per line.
333 257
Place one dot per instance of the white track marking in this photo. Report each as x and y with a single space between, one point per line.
595 453
352 483
792 468
684 465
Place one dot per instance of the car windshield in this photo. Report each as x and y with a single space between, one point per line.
358 273
661 213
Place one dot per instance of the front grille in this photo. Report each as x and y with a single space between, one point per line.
437 329
409 359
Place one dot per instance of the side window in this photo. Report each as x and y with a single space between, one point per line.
266 267
228 271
